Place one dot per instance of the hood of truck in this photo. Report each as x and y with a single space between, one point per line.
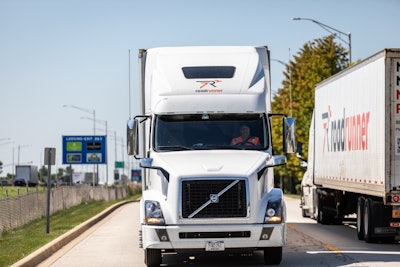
211 162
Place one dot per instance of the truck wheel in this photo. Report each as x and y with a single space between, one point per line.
273 255
315 213
152 257
303 213
322 216
360 218
369 221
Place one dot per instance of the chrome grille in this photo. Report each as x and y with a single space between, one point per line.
214 198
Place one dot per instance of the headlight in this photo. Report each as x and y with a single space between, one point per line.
153 213
273 213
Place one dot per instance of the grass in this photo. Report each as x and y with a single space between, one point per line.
13 191
17 243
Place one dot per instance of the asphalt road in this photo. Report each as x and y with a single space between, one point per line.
114 242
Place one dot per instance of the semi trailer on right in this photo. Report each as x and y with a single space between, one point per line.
353 164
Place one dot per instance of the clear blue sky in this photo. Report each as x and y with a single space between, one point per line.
75 52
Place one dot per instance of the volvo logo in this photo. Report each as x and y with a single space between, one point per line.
214 198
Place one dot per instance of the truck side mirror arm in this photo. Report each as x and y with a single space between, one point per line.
147 163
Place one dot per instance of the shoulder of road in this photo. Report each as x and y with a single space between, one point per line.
46 251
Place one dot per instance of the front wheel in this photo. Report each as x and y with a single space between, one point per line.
273 255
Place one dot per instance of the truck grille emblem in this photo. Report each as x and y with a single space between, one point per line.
214 198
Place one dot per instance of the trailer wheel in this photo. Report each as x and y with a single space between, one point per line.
369 221
152 257
360 218
273 255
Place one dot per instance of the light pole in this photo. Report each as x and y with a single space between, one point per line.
115 150
90 111
19 152
93 112
7 143
105 123
330 29
290 81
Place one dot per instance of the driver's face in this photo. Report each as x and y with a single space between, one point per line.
245 131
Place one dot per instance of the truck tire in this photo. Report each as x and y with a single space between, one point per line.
273 255
315 213
360 218
152 257
304 213
323 217
369 221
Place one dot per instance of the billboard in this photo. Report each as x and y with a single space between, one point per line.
86 149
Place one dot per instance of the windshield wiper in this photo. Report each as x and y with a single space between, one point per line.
201 146
224 147
174 148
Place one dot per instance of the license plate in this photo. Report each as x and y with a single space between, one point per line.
215 246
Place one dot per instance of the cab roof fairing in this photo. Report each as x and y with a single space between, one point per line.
169 91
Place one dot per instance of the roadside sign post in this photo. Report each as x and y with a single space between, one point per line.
49 159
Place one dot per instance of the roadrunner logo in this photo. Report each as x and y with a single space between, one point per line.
345 133
209 87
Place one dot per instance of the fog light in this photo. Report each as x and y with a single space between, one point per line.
266 233
162 235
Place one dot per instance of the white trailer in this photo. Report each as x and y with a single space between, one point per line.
27 172
354 148
80 178
203 191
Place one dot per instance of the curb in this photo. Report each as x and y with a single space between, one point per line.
47 250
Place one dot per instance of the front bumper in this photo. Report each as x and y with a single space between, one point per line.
246 236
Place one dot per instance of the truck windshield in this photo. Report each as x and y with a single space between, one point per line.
211 131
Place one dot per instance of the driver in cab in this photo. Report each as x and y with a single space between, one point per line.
245 138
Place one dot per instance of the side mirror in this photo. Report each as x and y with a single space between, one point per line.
289 135
131 137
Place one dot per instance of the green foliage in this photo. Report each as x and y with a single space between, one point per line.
315 62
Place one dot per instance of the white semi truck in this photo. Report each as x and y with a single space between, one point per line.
354 148
205 189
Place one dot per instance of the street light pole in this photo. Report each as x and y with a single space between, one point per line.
19 152
105 123
330 29
90 111
290 81
93 112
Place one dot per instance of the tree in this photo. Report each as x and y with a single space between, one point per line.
1 167
315 62
43 173
60 172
